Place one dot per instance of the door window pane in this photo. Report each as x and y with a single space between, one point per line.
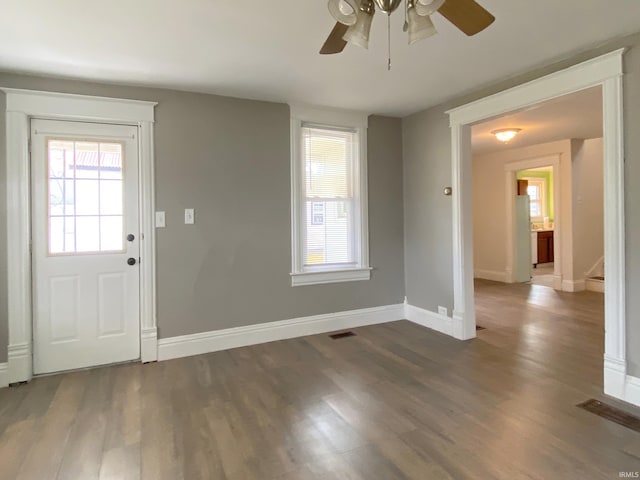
87 234
86 211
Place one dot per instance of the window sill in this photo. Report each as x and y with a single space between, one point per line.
319 277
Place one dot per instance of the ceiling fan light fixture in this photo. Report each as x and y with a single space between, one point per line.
506 134
419 27
427 7
344 11
358 34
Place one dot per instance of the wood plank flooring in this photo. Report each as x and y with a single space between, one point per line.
397 401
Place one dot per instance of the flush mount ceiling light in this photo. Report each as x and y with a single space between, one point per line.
354 18
506 134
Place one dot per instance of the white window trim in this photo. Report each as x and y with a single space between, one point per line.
543 196
328 274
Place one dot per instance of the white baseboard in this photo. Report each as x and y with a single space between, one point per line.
632 390
20 368
573 285
594 285
213 341
149 345
4 375
496 276
429 319
618 384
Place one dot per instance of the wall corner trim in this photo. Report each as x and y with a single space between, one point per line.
224 339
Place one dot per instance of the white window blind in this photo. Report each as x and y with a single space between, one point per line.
329 227
329 157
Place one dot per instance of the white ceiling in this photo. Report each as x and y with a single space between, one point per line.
268 50
578 115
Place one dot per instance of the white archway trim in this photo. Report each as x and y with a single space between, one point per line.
21 106
606 71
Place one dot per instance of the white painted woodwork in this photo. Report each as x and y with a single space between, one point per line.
21 105
606 71
86 304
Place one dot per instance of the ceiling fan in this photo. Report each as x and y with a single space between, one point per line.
354 17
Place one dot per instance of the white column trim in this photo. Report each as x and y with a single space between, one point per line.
148 319
19 362
614 226
605 71
464 324
21 106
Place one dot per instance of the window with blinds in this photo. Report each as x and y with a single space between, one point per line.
328 195
328 191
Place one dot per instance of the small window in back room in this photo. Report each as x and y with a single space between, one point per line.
537 198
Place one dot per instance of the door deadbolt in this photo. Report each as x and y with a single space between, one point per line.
131 237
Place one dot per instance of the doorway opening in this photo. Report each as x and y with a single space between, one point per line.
550 211
21 107
605 71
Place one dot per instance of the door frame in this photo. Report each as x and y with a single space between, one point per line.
511 169
606 71
21 107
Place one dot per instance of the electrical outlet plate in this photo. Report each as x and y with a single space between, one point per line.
443 311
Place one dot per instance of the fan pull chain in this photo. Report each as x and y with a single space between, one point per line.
389 40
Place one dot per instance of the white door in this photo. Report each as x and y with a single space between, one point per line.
85 245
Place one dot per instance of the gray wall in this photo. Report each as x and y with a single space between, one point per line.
427 224
427 154
229 159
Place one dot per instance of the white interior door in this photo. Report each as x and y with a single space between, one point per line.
85 245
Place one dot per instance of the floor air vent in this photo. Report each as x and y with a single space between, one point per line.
337 336
611 413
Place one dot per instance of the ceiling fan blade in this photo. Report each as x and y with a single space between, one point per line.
467 15
335 43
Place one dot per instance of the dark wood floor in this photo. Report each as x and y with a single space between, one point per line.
396 401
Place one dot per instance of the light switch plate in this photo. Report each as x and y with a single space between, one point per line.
160 220
189 216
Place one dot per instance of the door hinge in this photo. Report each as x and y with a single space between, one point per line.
29 146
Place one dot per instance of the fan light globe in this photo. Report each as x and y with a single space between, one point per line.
344 11
419 27
358 34
428 7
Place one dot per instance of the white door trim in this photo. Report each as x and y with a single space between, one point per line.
607 71
21 105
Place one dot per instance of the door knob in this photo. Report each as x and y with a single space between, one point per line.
131 261
131 237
